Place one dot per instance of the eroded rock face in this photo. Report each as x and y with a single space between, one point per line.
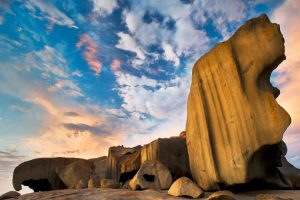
40 174
123 162
100 166
151 175
185 187
233 117
72 173
172 152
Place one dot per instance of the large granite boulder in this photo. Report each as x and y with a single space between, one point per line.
185 187
10 194
123 162
234 123
172 152
152 175
74 172
100 166
40 174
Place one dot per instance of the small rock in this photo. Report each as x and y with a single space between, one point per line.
182 134
185 187
222 195
94 182
109 183
152 175
81 184
10 194
269 197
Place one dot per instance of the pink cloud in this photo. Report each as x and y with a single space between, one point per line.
115 65
90 52
288 16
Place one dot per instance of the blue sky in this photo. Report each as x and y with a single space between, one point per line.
77 77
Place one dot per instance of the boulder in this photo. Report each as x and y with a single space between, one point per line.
10 194
172 152
185 187
152 175
100 166
81 184
109 183
94 182
182 134
40 174
72 173
234 123
222 195
123 162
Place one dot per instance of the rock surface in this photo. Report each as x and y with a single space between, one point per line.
109 183
123 160
40 174
185 187
94 182
73 172
151 175
100 166
269 197
222 195
121 194
172 152
234 123
10 194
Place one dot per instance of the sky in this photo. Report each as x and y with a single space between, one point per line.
79 76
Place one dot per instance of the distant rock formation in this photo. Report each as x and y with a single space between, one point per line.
234 124
123 162
172 152
40 174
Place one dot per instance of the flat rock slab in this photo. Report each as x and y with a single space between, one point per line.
123 194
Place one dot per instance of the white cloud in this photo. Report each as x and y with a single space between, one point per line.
169 54
51 13
127 43
68 86
162 100
104 7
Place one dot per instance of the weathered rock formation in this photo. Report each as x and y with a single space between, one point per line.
152 175
100 166
123 162
74 172
185 187
109 183
172 152
10 194
40 174
233 119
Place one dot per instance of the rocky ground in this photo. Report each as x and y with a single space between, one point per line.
123 194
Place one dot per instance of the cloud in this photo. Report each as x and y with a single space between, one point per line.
48 60
104 7
288 73
127 43
115 65
90 52
67 86
162 100
51 13
169 54
19 108
71 113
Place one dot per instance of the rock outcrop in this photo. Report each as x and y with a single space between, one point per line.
40 174
10 194
109 183
151 175
123 162
100 166
172 152
74 172
233 119
185 187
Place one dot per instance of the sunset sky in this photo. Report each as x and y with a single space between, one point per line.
79 76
